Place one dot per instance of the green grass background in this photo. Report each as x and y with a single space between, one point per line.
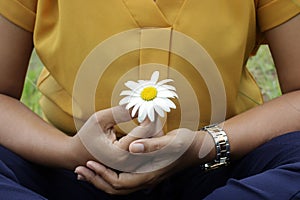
261 66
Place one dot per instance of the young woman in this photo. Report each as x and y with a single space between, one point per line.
89 49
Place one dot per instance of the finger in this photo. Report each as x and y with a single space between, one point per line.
92 177
177 141
122 182
145 130
84 173
149 144
112 116
124 142
106 173
101 184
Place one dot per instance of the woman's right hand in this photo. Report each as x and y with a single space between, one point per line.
97 139
99 128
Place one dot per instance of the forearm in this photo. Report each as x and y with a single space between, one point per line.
255 127
25 133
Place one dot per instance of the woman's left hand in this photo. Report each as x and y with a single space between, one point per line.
164 156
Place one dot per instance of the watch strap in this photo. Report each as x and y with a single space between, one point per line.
222 147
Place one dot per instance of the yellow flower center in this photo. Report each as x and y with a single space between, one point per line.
149 93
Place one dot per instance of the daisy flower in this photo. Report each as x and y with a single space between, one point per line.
148 97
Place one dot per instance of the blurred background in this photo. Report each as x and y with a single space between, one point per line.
261 66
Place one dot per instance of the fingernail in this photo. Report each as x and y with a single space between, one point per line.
92 165
80 178
137 148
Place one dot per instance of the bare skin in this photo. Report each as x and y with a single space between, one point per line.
245 131
22 131
26 134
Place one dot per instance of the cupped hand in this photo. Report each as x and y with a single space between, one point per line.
97 140
98 135
163 156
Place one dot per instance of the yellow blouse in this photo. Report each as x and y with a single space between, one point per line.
90 49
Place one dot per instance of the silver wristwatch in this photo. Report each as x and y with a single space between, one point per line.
222 147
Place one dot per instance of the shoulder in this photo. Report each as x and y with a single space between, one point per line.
20 12
272 13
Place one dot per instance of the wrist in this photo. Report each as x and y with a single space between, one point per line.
200 151
77 154
206 151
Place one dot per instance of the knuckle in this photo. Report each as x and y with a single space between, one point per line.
99 116
95 116
110 191
156 146
90 179
93 179
178 146
116 185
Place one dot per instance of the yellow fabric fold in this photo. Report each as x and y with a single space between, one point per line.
170 8
146 13
272 13
20 12
158 39
67 33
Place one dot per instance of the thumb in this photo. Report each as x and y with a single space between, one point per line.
135 134
112 116
149 144
144 130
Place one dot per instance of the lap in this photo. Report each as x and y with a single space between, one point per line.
8 183
28 179
277 183
270 171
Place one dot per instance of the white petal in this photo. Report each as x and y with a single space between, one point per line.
162 104
150 111
170 103
146 84
155 76
158 110
133 101
132 85
142 81
164 81
142 113
166 94
142 85
125 100
135 108
166 87
126 93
